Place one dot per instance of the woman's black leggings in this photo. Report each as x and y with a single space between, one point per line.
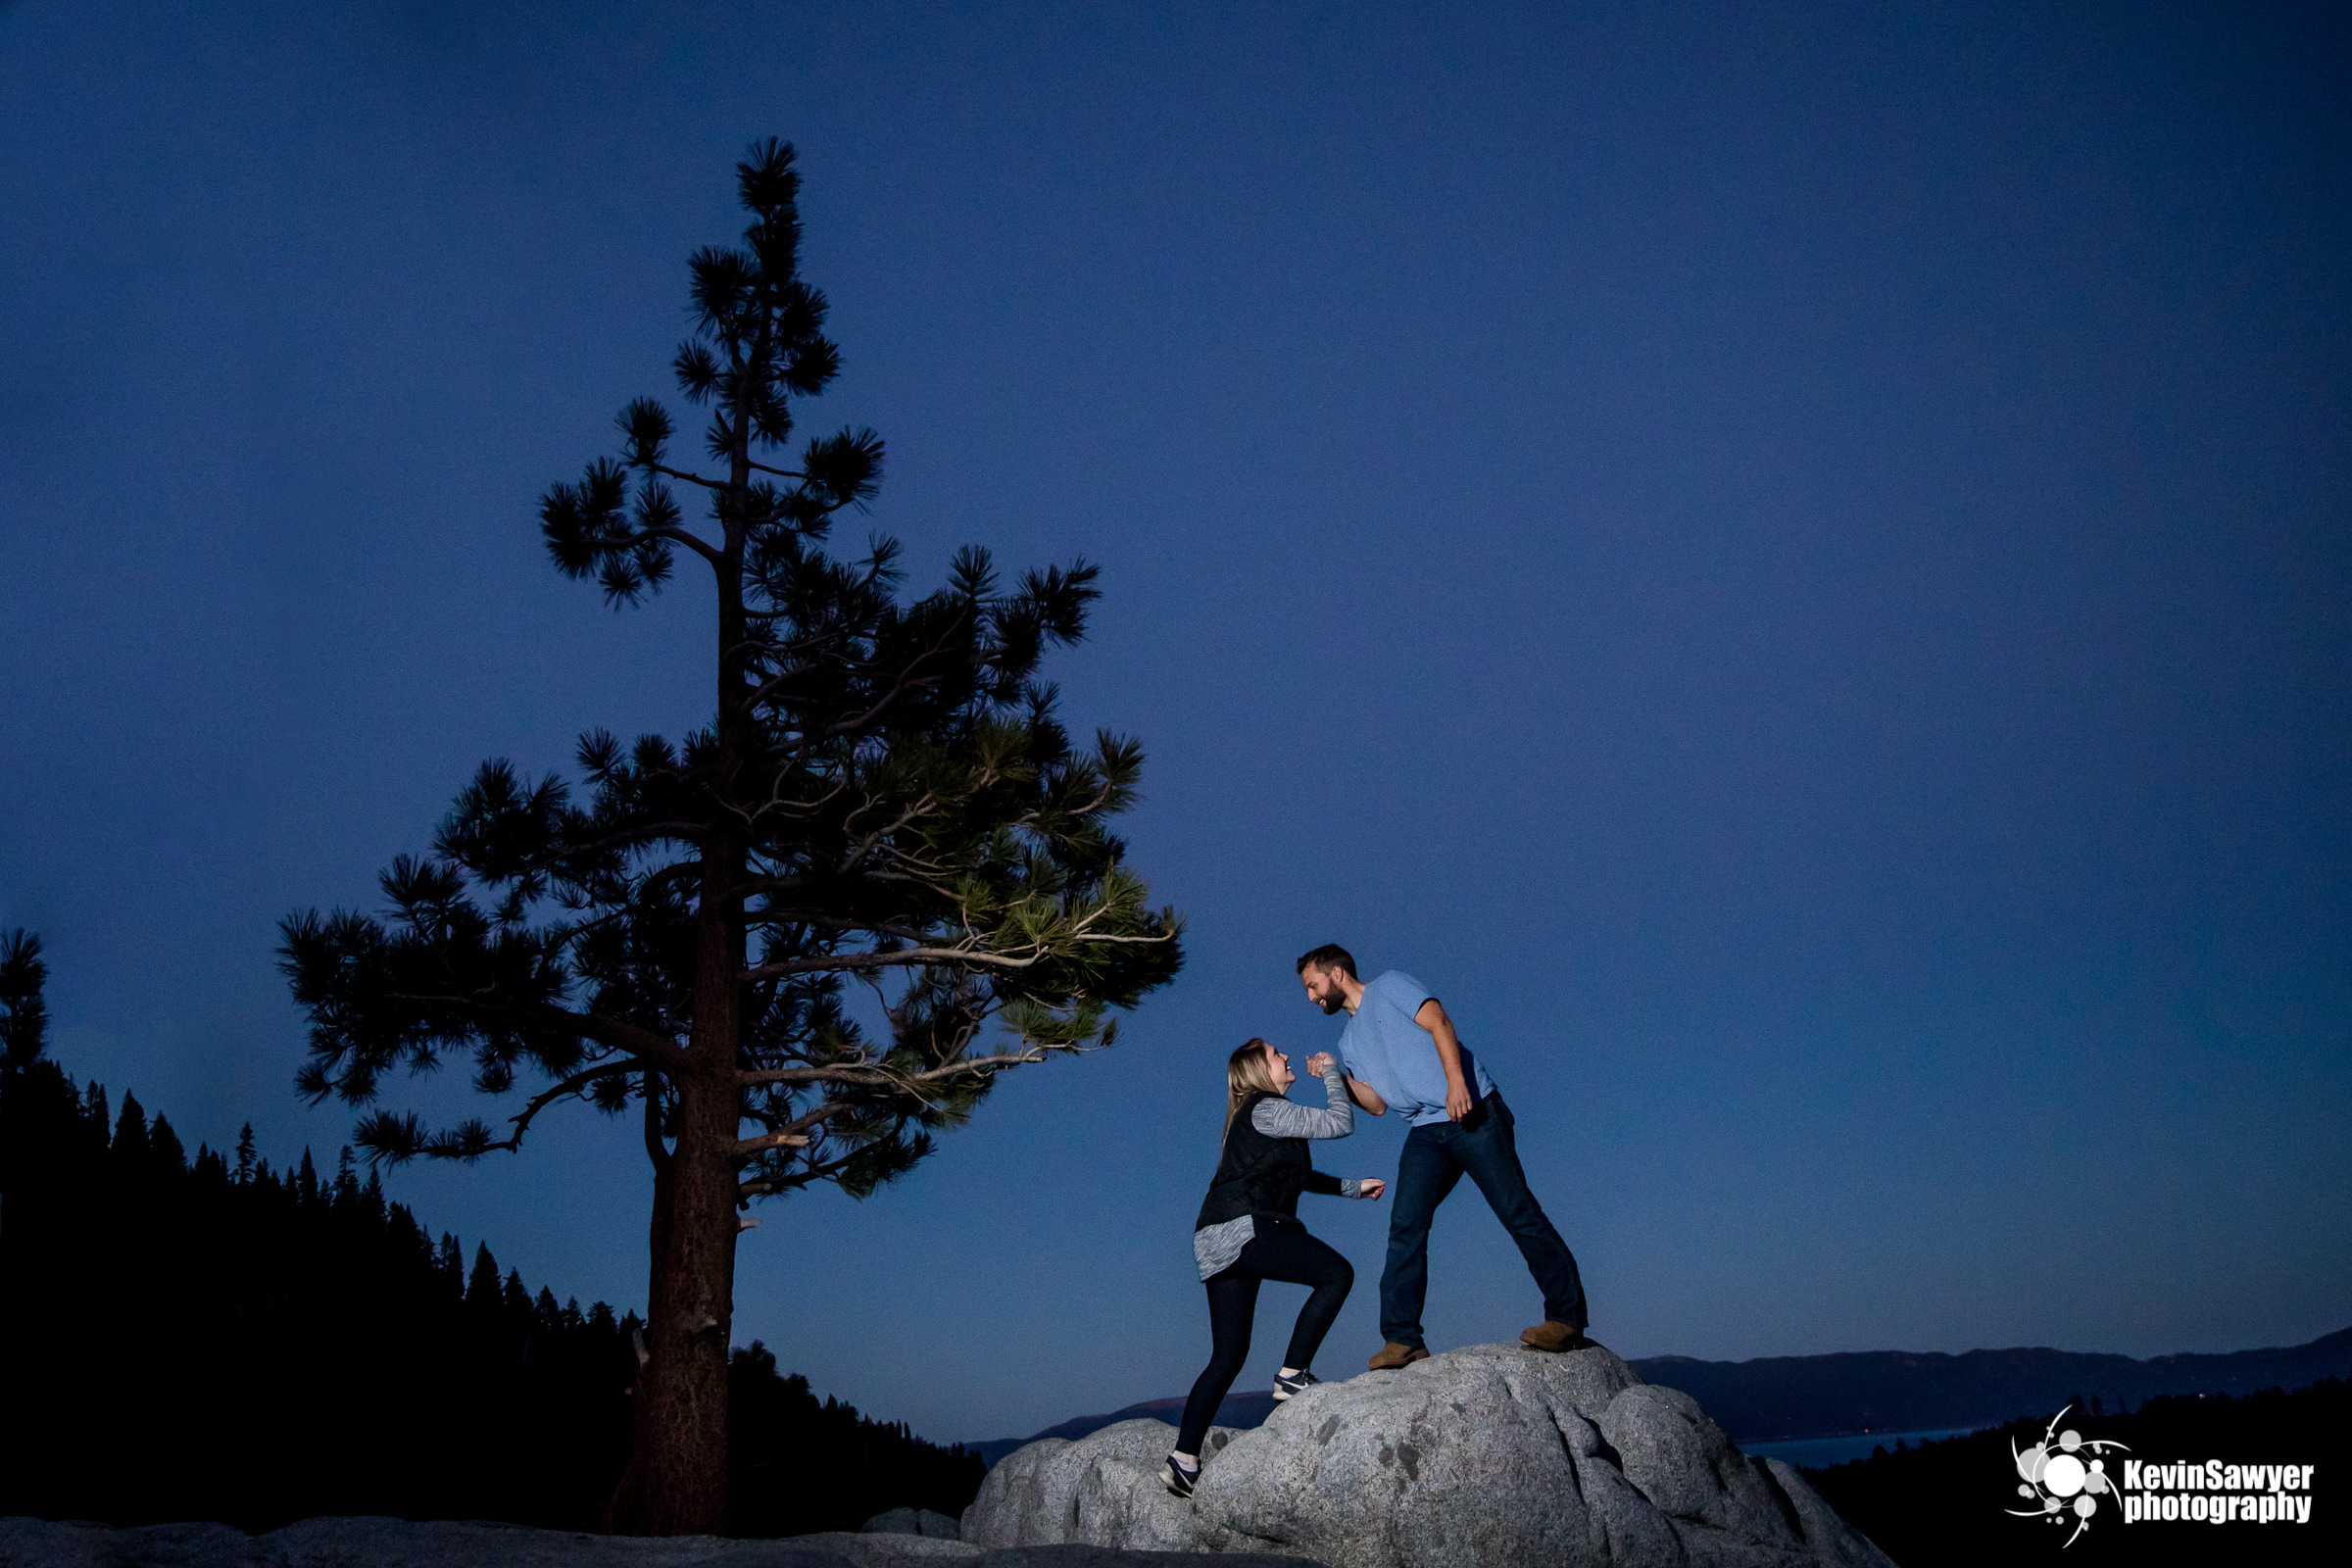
1281 1250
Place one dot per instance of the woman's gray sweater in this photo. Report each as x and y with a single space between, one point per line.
1216 1246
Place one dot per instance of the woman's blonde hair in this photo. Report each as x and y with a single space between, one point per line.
1250 1069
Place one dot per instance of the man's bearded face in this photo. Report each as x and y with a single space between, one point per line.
1323 990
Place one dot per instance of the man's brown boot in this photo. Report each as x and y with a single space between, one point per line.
1393 1355
1550 1336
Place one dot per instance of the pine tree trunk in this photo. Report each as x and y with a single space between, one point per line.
676 1481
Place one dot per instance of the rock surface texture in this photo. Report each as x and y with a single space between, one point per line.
911 1522
401 1543
1493 1456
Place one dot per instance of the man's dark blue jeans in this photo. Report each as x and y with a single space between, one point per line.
1436 1157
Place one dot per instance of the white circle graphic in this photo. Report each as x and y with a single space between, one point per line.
2065 1464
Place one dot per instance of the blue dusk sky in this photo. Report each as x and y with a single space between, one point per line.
1790 563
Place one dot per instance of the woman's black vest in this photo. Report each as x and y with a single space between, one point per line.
1257 1175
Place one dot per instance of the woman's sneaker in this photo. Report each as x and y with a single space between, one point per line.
1177 1479
1287 1383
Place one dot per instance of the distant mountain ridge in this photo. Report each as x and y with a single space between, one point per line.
1775 1398
1778 1398
1243 1410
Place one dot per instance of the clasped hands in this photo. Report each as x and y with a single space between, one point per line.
1322 1062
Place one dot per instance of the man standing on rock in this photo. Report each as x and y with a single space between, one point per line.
1399 1049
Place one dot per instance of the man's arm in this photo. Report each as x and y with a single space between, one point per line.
1364 1095
1432 1018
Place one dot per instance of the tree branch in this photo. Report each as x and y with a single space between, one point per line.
852 962
867 1077
809 1176
653 1126
694 542
745 1147
643 1044
668 472
548 1097
691 832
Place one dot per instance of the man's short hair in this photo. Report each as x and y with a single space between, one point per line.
1330 956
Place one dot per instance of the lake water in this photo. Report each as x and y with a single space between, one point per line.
1819 1453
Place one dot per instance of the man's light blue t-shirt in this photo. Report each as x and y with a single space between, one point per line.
1384 1048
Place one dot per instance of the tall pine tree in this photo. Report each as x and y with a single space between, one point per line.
24 1039
23 1013
884 796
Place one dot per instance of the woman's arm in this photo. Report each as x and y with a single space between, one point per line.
1284 1118
1352 1187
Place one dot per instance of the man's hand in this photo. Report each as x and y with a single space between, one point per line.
1457 1098
1322 1062
1370 1187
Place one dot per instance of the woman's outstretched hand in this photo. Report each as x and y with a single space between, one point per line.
1370 1187
1322 1062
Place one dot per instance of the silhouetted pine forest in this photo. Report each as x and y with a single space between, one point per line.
212 1338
